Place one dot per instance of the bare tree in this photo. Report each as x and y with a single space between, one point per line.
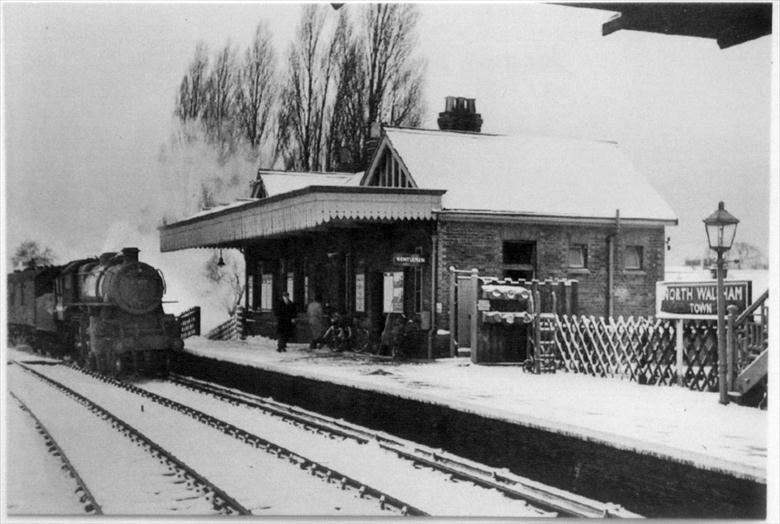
219 112
380 80
748 256
229 276
305 100
255 90
394 77
30 254
191 101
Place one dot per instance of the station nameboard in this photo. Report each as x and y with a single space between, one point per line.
408 259
699 299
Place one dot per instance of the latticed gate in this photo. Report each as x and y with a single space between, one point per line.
640 349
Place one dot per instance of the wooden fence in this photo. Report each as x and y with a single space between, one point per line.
231 329
640 349
189 322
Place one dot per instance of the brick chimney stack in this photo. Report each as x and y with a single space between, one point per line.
460 114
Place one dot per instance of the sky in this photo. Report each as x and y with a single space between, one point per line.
89 89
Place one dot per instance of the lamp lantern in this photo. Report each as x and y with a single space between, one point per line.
721 227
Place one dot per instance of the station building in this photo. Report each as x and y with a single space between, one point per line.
384 240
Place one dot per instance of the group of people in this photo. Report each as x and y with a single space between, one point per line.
286 312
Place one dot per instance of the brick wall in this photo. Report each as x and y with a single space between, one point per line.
478 244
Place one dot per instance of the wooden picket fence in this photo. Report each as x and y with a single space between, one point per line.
189 322
639 349
231 329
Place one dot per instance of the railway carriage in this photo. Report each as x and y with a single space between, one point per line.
106 313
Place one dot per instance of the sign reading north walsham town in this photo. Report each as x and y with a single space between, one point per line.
699 299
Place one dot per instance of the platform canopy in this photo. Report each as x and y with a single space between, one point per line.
307 209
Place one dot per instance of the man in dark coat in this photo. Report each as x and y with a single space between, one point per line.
285 321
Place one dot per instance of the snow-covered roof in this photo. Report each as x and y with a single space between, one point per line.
272 183
222 207
527 175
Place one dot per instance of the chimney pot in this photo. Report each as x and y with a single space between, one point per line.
460 114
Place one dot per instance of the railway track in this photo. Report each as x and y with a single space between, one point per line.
179 473
564 504
81 491
385 502
549 501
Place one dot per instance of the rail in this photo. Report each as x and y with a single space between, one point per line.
221 500
540 495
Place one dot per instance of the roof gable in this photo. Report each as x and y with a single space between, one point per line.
387 169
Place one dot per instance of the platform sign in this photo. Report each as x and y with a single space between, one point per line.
698 300
408 259
393 297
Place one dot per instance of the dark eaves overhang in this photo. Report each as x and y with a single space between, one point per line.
297 211
561 220
729 24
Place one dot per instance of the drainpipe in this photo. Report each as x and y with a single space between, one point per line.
434 265
611 265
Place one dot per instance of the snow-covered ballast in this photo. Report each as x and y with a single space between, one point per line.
299 210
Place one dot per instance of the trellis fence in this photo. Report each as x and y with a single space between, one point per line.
640 349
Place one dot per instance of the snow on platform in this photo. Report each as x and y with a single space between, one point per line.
683 425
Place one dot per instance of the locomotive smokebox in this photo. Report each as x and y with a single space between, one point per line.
130 254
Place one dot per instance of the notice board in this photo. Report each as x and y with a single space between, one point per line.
393 296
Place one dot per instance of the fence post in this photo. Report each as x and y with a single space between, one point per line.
453 311
730 346
537 334
474 314
680 348
197 320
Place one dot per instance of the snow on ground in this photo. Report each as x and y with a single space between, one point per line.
430 491
259 481
48 490
686 425
123 478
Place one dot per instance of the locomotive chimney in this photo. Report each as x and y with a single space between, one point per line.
130 254
460 114
105 258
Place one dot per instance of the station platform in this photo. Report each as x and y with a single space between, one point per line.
680 429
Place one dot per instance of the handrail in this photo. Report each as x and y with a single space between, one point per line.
755 305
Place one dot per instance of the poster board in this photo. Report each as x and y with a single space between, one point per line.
360 292
393 296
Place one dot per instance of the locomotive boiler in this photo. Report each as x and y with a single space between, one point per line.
106 313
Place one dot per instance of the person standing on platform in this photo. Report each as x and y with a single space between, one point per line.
314 312
285 321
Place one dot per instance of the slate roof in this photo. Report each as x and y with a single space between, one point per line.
527 175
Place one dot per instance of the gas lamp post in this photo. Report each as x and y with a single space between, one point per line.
721 226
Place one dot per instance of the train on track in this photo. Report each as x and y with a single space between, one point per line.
105 313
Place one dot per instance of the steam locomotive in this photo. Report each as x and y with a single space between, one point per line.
105 313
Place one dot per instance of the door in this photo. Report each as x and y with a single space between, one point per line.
464 298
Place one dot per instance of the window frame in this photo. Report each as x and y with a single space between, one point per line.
583 248
640 251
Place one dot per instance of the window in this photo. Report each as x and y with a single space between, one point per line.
519 259
634 257
578 256
266 291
